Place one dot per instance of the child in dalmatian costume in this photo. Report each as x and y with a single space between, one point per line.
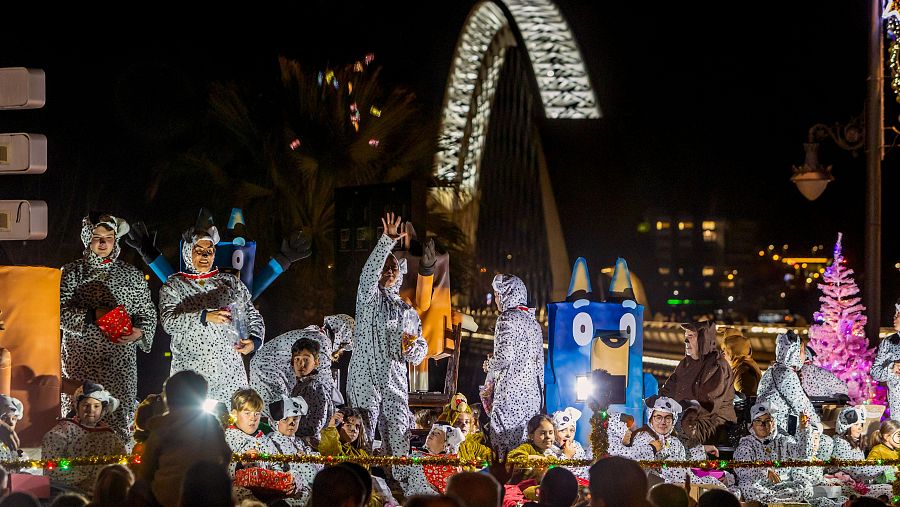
619 433
849 444
243 436
443 440
271 372
656 442
305 355
11 411
516 369
388 336
886 367
91 287
780 385
288 412
81 436
196 310
766 443
565 445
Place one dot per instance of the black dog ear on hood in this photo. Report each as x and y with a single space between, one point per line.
204 220
94 216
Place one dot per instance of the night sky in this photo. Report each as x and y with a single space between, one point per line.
705 110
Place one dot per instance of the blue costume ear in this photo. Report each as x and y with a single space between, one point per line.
581 279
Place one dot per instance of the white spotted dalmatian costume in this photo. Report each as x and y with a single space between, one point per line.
843 449
567 419
780 385
71 439
377 380
413 478
208 349
517 366
819 382
672 448
321 405
87 354
619 425
11 410
882 369
754 483
303 473
241 443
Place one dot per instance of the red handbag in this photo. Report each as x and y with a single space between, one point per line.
115 324
261 478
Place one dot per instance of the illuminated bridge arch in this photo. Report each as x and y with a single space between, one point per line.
516 61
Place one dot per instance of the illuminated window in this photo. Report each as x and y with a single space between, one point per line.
709 236
709 271
660 226
682 226
664 271
708 225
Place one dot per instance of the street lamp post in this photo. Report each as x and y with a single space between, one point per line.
812 177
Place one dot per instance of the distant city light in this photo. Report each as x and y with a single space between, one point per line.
762 253
730 298
675 292
782 295
730 276
776 257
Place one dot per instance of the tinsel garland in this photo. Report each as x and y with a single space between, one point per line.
893 26
65 463
599 435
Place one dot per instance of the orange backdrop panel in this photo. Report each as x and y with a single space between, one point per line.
29 298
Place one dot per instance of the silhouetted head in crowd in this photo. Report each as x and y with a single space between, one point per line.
608 477
185 390
337 487
559 488
111 488
432 501
667 495
474 489
20 499
69 500
206 484
718 498
363 475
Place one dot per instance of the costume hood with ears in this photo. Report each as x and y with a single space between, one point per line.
758 410
118 225
667 405
453 437
96 392
787 350
566 418
190 238
288 407
458 404
510 290
342 326
12 406
706 336
847 417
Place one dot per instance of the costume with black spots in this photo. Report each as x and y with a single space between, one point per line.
378 381
517 366
780 385
88 284
71 439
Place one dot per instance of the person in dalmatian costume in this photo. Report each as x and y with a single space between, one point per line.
565 446
766 443
81 436
819 382
271 372
388 336
515 371
656 442
90 288
849 444
210 317
442 440
11 411
886 367
619 433
288 412
780 384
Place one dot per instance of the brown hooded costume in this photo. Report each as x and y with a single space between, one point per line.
744 369
707 380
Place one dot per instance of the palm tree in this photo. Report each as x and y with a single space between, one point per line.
280 152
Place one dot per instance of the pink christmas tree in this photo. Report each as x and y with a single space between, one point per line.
838 337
